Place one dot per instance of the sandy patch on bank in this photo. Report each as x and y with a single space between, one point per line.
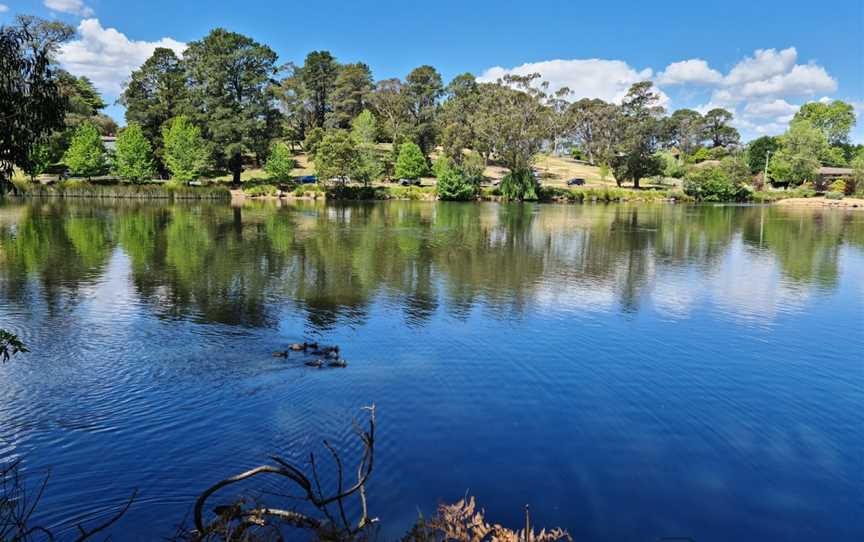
845 203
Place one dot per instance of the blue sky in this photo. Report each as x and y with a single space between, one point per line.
760 59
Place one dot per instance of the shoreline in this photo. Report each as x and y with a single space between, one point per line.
823 202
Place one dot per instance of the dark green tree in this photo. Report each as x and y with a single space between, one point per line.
154 95
318 76
31 103
684 130
510 121
230 94
718 130
455 132
423 88
390 104
636 152
454 182
757 152
351 91
594 128
336 156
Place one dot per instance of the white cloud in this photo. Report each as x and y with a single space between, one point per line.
4 8
806 80
779 109
763 64
608 80
107 56
73 7
758 87
694 71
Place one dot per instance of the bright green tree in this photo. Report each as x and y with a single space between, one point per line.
835 119
280 163
799 157
857 179
411 163
185 150
336 157
134 155
364 128
39 159
85 156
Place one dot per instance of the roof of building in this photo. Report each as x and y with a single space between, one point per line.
826 170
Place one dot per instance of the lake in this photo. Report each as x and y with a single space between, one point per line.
631 372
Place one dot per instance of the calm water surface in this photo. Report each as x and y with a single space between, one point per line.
631 372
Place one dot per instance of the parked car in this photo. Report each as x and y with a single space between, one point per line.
307 179
409 182
576 182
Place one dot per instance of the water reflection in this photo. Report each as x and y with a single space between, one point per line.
226 265
635 372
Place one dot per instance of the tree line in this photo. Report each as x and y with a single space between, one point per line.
228 102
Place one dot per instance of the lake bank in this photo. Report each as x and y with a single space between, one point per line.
845 203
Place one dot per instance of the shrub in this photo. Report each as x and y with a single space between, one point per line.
671 165
700 155
86 154
455 185
280 163
261 190
834 195
411 164
185 149
714 184
519 185
134 157
838 186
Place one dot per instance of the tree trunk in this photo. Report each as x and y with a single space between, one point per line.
636 183
236 165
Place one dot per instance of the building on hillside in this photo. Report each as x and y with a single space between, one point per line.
109 142
828 175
